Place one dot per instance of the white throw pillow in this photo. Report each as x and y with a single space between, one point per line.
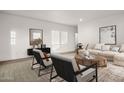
40 52
115 49
105 47
122 48
98 46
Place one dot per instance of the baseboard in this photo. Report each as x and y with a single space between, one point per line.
16 60
65 52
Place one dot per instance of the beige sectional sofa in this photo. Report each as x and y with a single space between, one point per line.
119 59
108 54
117 55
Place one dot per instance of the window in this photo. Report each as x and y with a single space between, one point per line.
76 38
64 37
13 37
55 37
58 39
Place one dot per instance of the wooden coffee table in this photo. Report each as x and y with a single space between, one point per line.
101 61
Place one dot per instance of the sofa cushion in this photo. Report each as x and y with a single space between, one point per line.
119 56
93 51
122 48
105 47
115 49
98 46
108 53
119 59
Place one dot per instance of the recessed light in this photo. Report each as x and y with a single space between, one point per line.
81 19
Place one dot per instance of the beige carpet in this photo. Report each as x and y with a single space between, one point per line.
21 72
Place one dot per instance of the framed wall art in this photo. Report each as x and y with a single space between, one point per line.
35 34
107 35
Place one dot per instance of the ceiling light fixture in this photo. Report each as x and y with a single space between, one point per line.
81 19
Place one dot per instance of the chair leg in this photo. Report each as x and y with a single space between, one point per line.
32 63
96 74
51 73
39 71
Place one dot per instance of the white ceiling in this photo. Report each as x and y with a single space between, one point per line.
69 17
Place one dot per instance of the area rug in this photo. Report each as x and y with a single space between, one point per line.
111 73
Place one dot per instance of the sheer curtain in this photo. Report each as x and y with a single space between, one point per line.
59 39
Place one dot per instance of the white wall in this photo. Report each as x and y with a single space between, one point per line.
89 32
21 26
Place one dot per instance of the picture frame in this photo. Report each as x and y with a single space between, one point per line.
107 35
35 34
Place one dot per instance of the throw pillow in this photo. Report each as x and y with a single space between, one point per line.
98 46
115 49
105 47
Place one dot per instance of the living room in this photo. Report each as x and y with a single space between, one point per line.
61 37
46 45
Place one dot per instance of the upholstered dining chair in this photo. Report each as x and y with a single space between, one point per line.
67 69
